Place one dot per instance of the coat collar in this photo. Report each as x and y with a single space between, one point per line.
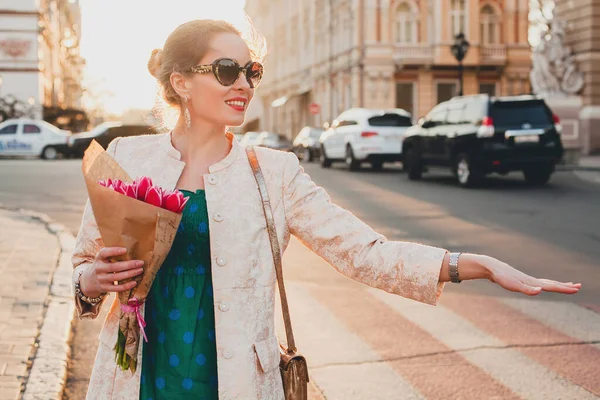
236 150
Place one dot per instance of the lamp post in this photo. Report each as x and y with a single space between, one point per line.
459 50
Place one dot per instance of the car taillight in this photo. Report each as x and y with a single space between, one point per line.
487 127
557 124
368 134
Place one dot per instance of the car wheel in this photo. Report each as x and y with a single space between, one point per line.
413 165
466 174
377 165
325 162
307 156
49 153
352 163
538 175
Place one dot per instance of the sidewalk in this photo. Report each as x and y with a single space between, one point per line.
590 163
582 163
36 308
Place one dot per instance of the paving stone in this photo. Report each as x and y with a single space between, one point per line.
10 392
29 255
16 369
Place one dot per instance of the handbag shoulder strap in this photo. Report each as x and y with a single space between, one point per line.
264 195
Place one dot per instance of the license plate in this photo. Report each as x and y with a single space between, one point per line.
527 139
392 138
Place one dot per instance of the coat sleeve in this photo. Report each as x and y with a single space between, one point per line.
87 245
354 249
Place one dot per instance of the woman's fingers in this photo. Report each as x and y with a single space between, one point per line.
111 278
548 285
105 253
110 287
119 266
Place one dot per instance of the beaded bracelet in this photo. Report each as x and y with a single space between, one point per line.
89 300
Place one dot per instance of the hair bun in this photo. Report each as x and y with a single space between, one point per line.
155 62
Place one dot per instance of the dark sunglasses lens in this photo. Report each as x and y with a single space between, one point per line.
227 71
254 73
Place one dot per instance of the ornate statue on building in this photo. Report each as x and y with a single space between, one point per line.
554 70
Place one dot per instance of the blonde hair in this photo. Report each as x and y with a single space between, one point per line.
188 43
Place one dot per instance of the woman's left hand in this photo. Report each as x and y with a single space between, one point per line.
516 281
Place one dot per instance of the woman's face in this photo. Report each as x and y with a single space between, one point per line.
210 100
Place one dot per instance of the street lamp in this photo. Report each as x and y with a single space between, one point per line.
459 50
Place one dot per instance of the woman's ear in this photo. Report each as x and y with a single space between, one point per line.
180 84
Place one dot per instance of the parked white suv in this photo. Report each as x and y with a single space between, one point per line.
365 135
28 137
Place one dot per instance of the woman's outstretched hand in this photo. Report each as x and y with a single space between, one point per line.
516 281
474 266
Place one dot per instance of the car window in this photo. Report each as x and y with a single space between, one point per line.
390 119
28 128
455 115
346 123
9 130
316 133
439 118
474 111
517 114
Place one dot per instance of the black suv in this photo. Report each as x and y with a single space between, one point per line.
478 135
104 134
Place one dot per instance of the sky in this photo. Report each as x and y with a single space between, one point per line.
119 35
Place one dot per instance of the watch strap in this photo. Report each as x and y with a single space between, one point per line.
453 267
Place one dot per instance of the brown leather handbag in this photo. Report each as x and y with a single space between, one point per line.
292 364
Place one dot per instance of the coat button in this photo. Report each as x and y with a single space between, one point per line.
213 180
218 217
227 354
221 262
224 307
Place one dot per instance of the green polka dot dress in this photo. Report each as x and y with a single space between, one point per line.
180 359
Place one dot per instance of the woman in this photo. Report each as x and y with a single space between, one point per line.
210 312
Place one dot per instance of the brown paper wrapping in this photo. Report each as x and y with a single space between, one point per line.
146 231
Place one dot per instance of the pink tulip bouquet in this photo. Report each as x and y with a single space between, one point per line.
141 217
143 190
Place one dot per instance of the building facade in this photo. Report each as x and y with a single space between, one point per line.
580 17
337 54
40 64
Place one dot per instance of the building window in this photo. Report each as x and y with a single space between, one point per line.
406 24
490 26
487 88
457 16
405 96
446 91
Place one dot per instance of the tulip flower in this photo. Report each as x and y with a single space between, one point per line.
172 202
142 185
119 187
154 196
130 190
185 199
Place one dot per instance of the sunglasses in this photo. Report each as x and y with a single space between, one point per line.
227 71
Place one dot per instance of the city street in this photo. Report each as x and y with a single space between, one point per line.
479 343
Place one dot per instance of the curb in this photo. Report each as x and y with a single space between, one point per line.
577 168
47 376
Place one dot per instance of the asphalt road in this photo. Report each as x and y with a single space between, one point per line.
551 231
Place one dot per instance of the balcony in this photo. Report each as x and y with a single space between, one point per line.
408 53
493 54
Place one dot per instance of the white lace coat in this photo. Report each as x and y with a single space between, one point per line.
243 272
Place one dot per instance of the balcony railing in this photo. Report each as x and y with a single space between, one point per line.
405 52
493 53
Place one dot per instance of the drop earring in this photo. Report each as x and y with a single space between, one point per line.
186 115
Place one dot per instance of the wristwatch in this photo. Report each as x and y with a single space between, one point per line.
454 267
